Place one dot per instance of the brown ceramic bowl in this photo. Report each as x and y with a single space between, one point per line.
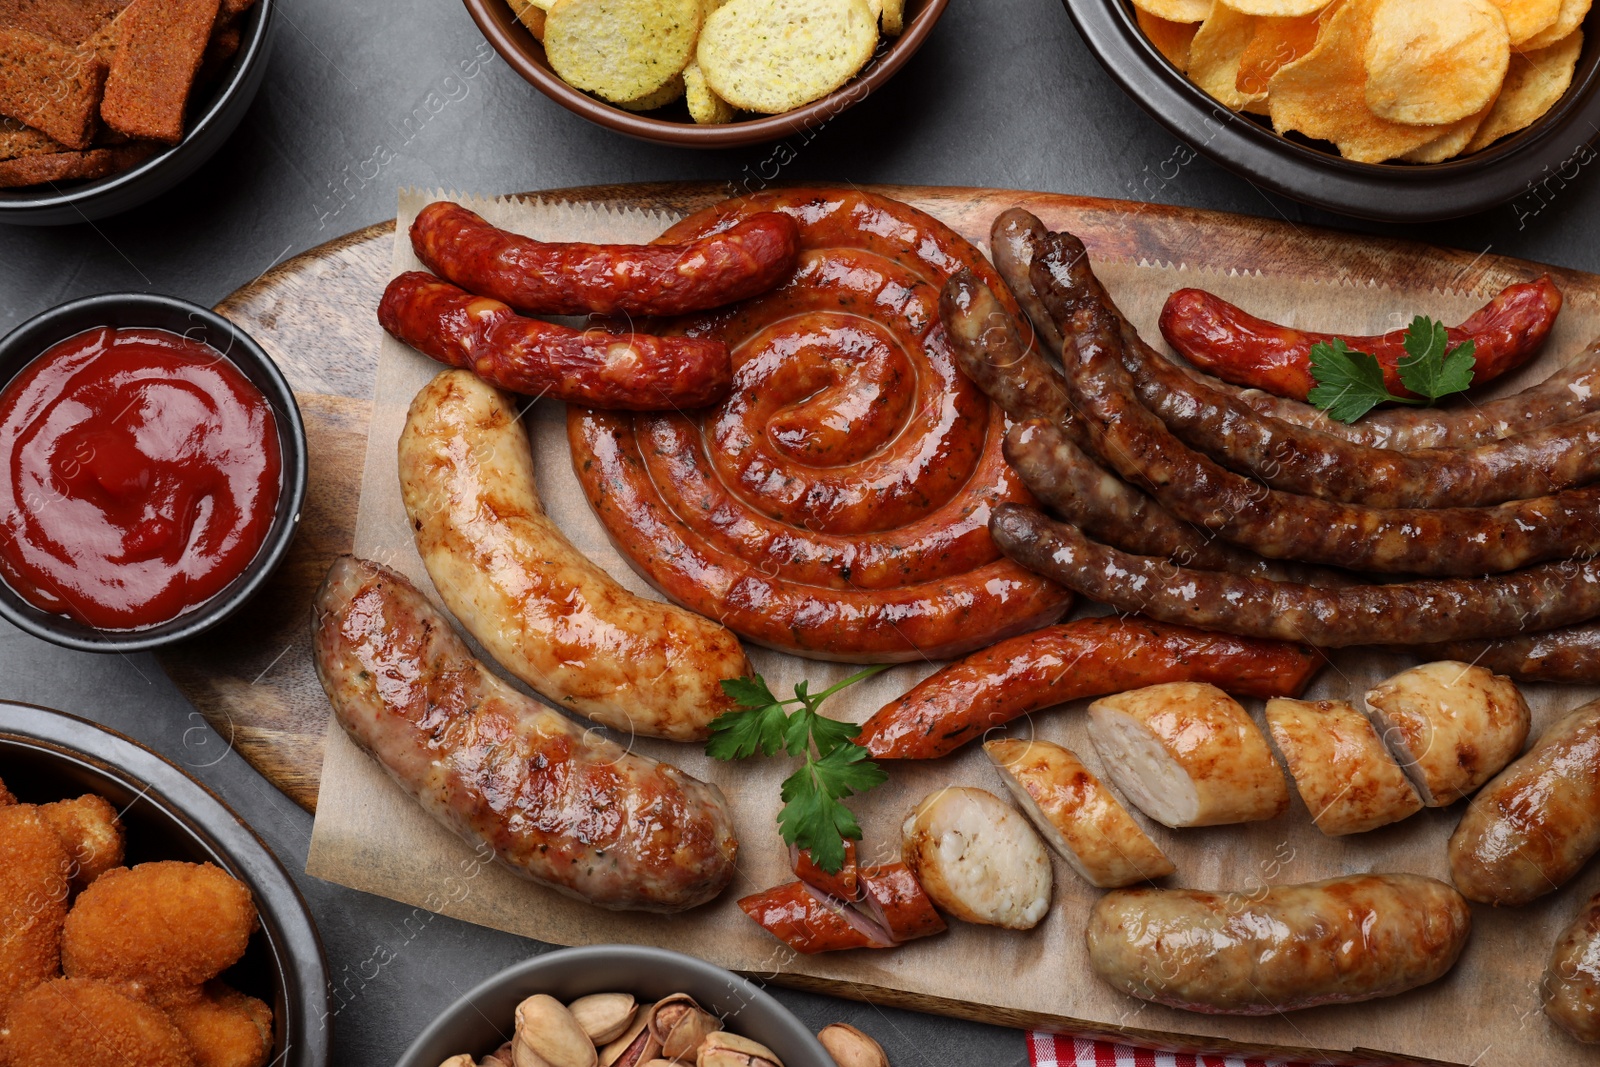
671 124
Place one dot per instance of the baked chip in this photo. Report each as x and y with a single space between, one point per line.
621 49
1278 8
1215 54
1277 43
1528 18
1171 39
1176 10
53 88
1430 62
1535 82
1323 94
773 56
530 15
705 106
663 96
891 14
1570 17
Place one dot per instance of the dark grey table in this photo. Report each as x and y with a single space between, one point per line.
364 98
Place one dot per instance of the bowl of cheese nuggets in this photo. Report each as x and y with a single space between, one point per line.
140 923
707 73
107 103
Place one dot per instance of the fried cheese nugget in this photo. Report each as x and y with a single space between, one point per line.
90 832
6 799
163 926
68 1022
33 902
224 1027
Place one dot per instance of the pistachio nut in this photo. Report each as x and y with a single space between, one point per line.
523 1056
849 1047
462 1060
663 1063
723 1049
504 1056
636 1046
680 1025
547 1029
604 1016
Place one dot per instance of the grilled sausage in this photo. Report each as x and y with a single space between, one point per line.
1280 949
541 608
1077 814
1567 394
1571 986
1538 822
1187 754
1452 726
540 278
977 858
1570 654
809 921
1136 443
845 883
1406 613
633 371
897 902
1346 777
1070 661
1240 348
557 804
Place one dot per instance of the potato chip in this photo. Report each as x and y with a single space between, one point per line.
705 106
1450 144
1571 16
660 98
530 15
892 13
1525 18
1535 82
1215 53
1171 39
1277 42
1278 8
1431 62
1323 93
772 56
621 49
1176 10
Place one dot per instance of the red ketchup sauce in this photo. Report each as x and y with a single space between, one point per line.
139 474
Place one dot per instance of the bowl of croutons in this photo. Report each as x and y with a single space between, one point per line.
707 73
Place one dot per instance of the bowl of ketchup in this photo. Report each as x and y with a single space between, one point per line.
152 470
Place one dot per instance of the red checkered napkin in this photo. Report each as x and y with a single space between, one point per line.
1054 1050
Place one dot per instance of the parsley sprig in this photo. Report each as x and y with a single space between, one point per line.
813 816
1350 383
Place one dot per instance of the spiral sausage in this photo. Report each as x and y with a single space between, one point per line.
539 278
633 371
1406 613
1570 392
836 504
1135 442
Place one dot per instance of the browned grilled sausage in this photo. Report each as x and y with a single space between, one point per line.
1571 986
1137 444
1537 822
1570 654
1280 949
1405 613
1567 394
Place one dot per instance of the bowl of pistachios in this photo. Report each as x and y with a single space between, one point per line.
616 1006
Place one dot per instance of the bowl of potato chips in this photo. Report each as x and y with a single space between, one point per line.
707 73
1396 110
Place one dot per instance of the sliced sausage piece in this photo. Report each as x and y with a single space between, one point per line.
1187 754
897 902
978 858
1571 986
1451 725
1077 814
1282 949
1344 773
1537 823
844 884
809 921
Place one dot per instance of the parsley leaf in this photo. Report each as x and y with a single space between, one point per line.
1434 369
1350 383
813 816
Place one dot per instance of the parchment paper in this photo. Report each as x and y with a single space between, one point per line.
370 836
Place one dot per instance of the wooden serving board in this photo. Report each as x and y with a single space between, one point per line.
253 678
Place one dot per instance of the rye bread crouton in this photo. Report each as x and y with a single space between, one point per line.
69 166
158 50
68 22
17 140
49 86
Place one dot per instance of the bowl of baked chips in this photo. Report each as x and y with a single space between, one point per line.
1395 110
707 73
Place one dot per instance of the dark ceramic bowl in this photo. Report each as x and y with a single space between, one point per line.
211 120
481 1021
1535 163
672 124
47 755
22 345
